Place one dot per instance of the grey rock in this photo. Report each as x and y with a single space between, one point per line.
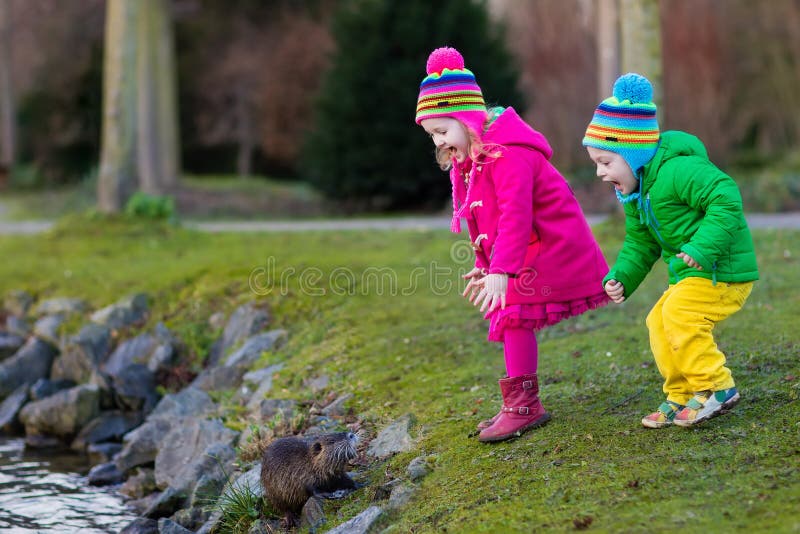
322 425
261 382
142 482
9 409
251 350
418 468
101 453
126 312
18 302
385 490
62 414
181 472
400 496
192 518
165 354
47 327
82 355
108 399
10 344
17 326
247 482
361 523
245 321
312 515
141 525
30 363
269 408
262 526
317 384
336 408
135 350
207 489
43 387
166 503
392 439
209 526
140 506
134 388
105 475
168 526
108 426
141 445
187 402
262 376
195 447
219 378
59 306
163 357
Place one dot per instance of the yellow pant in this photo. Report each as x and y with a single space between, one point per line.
680 327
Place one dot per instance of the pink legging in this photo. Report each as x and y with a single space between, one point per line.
521 352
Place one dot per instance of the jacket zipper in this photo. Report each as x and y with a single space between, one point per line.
652 222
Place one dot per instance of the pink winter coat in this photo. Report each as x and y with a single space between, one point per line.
524 220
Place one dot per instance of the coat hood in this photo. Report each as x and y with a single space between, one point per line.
509 129
672 145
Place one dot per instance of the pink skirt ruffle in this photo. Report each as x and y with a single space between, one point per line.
537 316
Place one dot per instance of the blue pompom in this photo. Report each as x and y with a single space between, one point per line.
633 87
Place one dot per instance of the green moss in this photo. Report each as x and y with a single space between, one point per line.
423 351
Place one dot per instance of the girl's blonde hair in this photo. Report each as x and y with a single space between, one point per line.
475 148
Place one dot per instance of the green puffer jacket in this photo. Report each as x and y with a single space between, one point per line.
686 205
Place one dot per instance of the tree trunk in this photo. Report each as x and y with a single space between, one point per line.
641 41
117 176
607 47
8 127
157 113
246 138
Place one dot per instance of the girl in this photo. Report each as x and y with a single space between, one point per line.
536 261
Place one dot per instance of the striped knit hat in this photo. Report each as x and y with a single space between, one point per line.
450 90
626 123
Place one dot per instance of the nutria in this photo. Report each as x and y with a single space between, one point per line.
295 469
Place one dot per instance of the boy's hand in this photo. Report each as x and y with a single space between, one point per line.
615 290
688 260
493 291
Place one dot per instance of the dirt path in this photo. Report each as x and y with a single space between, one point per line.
756 220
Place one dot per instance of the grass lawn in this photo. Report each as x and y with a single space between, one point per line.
381 314
199 197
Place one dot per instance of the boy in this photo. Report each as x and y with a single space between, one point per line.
679 206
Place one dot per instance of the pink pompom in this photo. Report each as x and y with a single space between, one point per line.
444 58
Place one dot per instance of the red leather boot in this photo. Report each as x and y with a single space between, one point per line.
522 409
486 423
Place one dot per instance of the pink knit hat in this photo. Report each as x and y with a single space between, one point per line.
450 90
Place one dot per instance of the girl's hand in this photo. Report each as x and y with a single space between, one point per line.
472 286
688 260
615 290
493 292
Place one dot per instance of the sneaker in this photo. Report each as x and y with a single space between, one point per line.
705 405
663 416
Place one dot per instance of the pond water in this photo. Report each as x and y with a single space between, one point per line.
47 492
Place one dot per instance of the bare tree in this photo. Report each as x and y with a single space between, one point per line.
607 46
157 126
640 33
140 130
117 175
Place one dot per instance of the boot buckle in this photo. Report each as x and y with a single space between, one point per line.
527 384
523 410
